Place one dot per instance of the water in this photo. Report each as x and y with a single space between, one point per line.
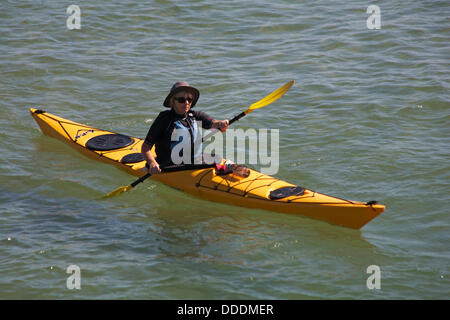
367 119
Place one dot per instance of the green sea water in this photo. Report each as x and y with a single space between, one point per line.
367 119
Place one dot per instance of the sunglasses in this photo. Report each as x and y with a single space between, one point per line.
183 99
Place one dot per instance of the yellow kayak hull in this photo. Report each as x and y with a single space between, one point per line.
251 192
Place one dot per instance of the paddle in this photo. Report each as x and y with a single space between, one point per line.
259 104
277 94
172 168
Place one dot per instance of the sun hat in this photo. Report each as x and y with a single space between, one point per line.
182 86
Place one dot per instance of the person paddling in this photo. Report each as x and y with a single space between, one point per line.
177 129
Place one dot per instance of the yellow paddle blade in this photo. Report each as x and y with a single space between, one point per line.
118 191
271 97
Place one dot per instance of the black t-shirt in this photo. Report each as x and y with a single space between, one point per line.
160 132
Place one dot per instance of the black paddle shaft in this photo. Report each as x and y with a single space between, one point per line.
175 168
141 179
236 118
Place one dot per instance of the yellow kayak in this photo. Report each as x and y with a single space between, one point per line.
255 191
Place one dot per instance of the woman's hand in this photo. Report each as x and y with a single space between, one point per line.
154 168
222 125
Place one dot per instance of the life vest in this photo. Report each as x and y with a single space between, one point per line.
193 144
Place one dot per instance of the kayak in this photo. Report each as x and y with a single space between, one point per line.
256 191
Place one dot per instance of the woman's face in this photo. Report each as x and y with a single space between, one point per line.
181 102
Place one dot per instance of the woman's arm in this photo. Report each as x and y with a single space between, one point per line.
146 151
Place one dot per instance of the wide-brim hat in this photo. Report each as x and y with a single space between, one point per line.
182 86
